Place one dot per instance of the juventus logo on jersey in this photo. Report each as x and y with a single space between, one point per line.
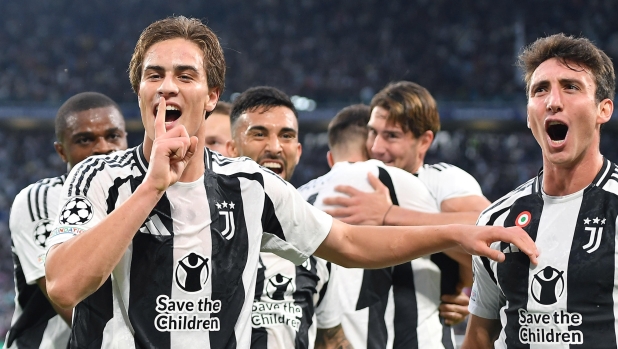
226 210
595 234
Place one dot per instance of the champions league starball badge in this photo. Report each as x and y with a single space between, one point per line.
78 210
42 231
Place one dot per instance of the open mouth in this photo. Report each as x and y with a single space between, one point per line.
557 131
273 166
172 113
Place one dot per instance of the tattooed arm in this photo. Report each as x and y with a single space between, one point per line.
332 338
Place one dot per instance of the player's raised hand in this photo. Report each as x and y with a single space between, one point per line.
476 240
359 207
171 151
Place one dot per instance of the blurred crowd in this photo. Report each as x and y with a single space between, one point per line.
324 50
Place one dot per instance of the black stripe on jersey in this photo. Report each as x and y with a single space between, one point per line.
501 201
28 331
151 275
30 204
487 265
90 317
605 174
377 334
311 198
590 274
306 286
512 277
37 201
259 335
227 255
406 313
447 335
404 290
92 166
270 223
449 272
329 267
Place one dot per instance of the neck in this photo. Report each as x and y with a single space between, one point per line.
195 167
564 180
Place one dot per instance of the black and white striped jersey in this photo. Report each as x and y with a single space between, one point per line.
35 323
292 302
188 278
569 300
391 307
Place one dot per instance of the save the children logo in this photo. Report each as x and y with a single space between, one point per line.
192 272
276 306
547 286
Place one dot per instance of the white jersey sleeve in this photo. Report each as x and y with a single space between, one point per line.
293 229
30 229
328 311
82 201
486 298
447 181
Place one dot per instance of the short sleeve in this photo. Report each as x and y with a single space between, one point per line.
28 234
328 311
446 181
292 228
82 204
486 298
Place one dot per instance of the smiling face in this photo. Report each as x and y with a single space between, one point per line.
174 70
563 114
89 132
270 138
388 142
218 132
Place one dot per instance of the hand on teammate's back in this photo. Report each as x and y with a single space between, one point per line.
359 207
171 151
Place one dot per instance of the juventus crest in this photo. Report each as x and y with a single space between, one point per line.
595 228
226 211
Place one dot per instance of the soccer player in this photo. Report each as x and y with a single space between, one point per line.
179 228
369 307
217 128
569 209
265 129
87 124
404 120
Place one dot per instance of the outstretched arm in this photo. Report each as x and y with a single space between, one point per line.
78 267
379 247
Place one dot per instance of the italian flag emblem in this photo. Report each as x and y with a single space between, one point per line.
523 219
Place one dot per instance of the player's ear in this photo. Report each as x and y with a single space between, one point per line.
299 153
329 159
60 150
528 121
230 146
213 98
425 140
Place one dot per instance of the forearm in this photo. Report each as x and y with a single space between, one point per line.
79 266
402 217
481 333
379 247
332 338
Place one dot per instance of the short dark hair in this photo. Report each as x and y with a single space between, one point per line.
222 108
410 106
349 125
80 102
571 51
191 29
260 97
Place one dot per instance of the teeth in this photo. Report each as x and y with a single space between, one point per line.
551 123
171 107
272 165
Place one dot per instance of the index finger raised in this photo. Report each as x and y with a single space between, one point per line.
159 127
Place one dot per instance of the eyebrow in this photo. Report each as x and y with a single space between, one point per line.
90 133
177 68
264 129
562 82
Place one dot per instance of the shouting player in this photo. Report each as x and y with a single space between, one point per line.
147 215
265 128
569 209
87 124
